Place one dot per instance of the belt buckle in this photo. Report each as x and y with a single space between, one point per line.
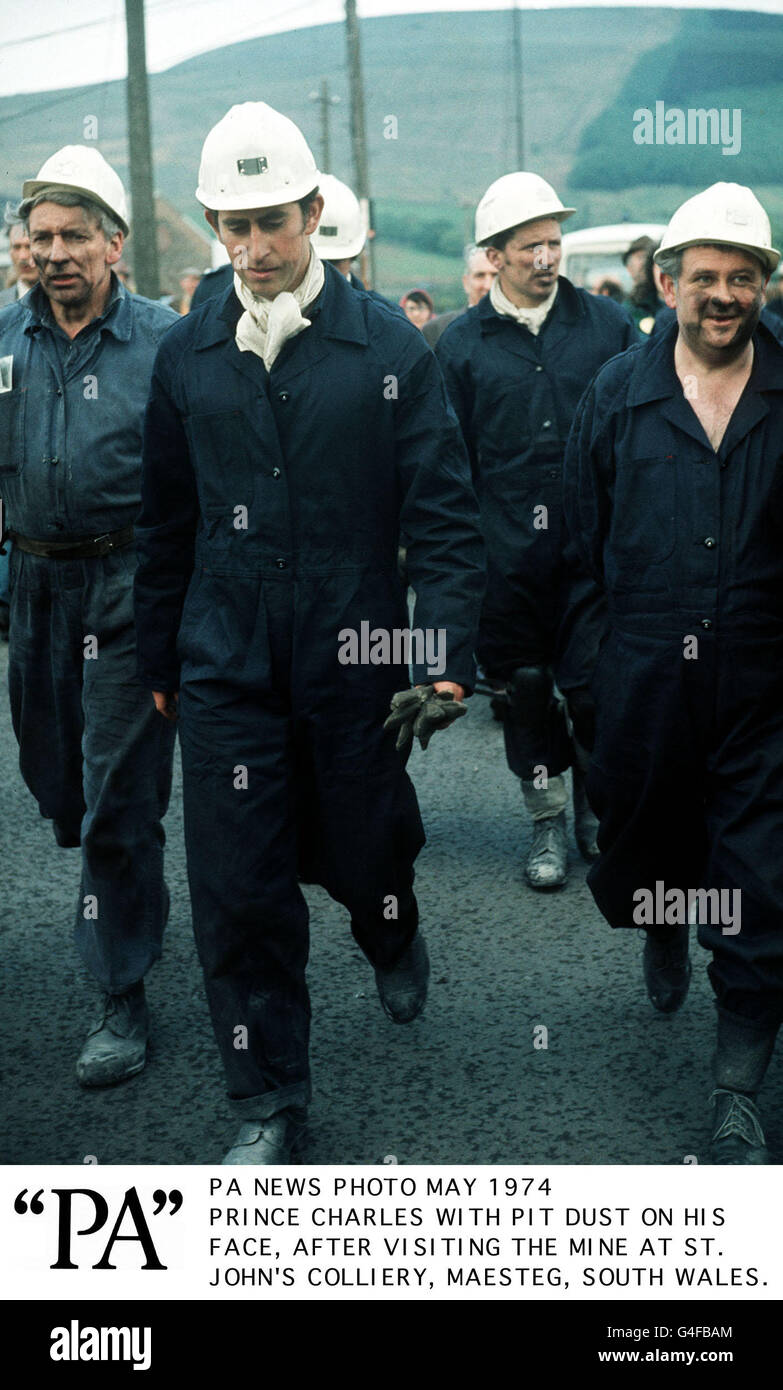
104 540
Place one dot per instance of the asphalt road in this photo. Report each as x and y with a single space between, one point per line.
464 1084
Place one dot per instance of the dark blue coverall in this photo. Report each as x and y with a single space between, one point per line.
348 437
687 769
98 763
515 394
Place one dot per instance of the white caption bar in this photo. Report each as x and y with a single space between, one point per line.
391 1233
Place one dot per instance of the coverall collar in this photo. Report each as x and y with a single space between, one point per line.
117 317
655 379
566 311
336 313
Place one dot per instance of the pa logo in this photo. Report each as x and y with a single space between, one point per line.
82 1204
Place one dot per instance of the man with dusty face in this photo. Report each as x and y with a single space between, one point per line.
718 296
74 258
269 247
528 263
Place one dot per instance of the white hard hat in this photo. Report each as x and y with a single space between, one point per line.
341 232
514 199
254 158
726 214
80 169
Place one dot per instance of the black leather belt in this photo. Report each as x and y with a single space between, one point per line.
75 549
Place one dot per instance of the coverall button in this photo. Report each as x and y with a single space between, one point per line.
539 369
706 623
281 564
284 396
275 472
547 424
54 461
710 542
58 392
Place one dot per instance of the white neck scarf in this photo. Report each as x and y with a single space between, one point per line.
531 319
268 323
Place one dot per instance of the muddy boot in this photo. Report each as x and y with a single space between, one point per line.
268 1142
546 865
742 1056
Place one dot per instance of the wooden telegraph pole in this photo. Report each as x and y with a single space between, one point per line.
358 133
145 237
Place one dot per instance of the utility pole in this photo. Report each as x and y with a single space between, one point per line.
516 45
145 237
358 133
325 101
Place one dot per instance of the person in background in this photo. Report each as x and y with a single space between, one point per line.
24 271
189 281
476 282
515 367
643 300
610 288
418 307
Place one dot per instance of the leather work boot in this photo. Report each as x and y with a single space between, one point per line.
268 1142
403 989
737 1136
585 819
741 1060
546 863
116 1046
667 969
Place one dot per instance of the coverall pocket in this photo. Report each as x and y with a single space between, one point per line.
222 461
10 432
644 514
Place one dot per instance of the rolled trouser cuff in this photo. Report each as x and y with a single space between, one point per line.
544 802
262 1107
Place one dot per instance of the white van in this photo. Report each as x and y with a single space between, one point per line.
597 251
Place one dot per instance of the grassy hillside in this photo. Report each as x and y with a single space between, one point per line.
447 79
716 60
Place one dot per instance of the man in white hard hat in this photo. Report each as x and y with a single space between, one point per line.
295 424
674 499
342 230
515 367
477 281
77 356
339 238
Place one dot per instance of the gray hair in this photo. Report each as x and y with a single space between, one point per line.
669 263
65 199
469 253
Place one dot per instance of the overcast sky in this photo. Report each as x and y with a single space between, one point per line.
68 43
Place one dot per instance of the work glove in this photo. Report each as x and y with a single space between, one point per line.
421 712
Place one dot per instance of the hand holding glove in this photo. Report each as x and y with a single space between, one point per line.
421 712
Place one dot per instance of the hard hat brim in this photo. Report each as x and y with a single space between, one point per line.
218 202
556 215
346 252
767 254
32 187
